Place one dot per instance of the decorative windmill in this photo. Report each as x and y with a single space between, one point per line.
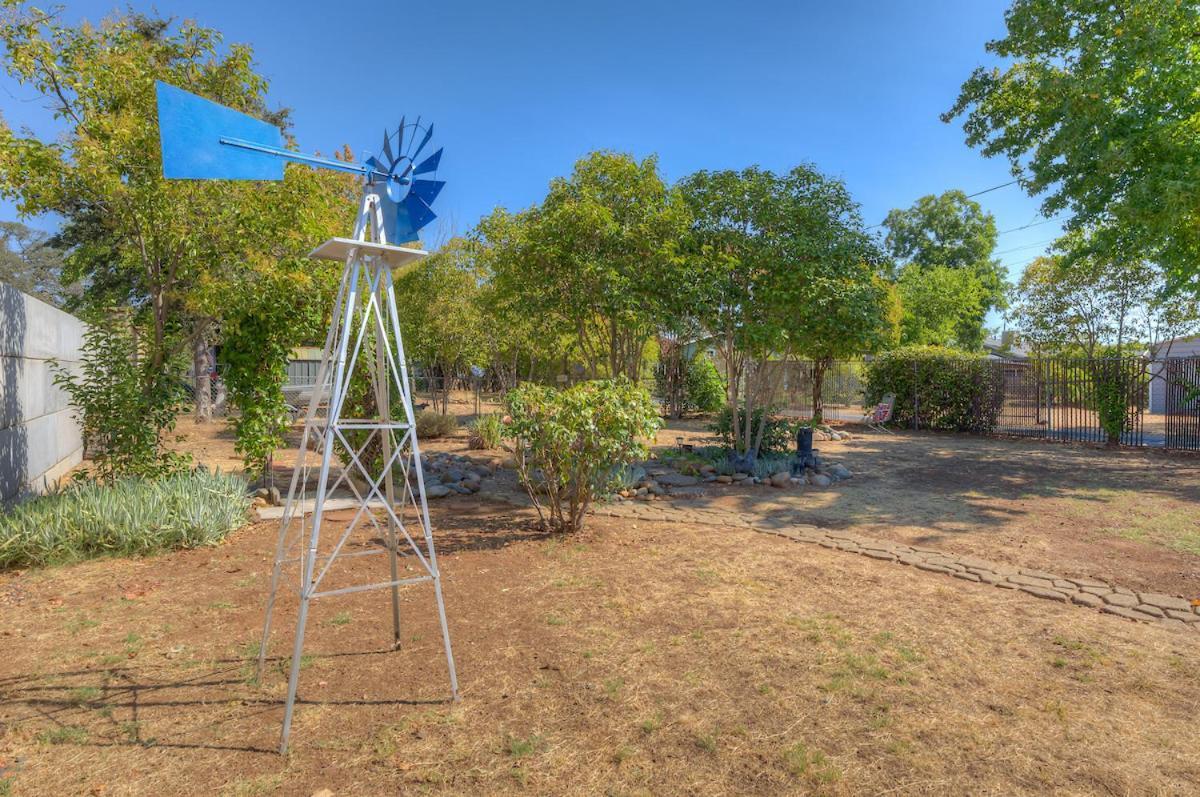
203 140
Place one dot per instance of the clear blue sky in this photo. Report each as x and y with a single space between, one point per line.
520 90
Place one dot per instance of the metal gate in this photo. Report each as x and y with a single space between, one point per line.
1182 403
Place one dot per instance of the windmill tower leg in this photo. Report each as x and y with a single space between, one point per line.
423 508
293 511
383 400
308 557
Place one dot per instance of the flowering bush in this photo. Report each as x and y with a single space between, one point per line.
568 443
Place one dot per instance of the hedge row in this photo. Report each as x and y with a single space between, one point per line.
938 388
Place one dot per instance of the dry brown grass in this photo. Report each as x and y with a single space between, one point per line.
636 659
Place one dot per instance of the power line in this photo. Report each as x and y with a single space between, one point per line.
977 193
993 188
1026 226
1026 246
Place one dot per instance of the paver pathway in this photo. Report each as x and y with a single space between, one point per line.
1167 610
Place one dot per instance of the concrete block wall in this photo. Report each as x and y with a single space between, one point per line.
40 439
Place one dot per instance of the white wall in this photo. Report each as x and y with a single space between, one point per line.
39 437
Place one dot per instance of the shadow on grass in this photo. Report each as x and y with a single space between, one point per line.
65 708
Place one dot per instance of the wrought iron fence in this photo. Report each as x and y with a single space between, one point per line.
1182 403
1069 399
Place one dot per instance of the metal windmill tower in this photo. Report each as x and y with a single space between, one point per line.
204 140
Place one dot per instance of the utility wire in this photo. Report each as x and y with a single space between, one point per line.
1026 246
977 193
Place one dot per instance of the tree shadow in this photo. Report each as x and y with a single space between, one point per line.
128 703
962 484
14 435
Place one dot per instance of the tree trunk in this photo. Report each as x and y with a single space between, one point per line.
819 367
202 382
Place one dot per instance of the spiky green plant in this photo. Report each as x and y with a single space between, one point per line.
126 517
487 431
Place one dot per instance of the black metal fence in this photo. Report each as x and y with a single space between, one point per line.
1053 398
1182 403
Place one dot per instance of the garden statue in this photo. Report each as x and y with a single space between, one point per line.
204 140
806 456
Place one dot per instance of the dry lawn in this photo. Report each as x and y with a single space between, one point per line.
636 658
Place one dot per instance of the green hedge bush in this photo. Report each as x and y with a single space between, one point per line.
938 388
704 385
126 517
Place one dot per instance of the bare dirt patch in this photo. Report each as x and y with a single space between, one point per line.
1124 516
636 658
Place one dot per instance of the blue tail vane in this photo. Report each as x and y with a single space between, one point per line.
191 129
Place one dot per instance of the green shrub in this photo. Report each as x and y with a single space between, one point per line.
431 425
487 431
124 408
705 387
777 436
567 443
125 517
938 388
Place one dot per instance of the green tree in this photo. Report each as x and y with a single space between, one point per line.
940 232
521 340
158 247
1088 307
441 314
941 306
31 263
1096 109
598 255
778 266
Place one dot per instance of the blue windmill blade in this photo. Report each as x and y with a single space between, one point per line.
419 212
428 190
424 141
430 164
191 128
387 149
400 136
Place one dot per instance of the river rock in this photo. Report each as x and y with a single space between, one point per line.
781 479
819 480
436 491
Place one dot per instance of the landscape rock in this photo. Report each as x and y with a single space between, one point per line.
819 480
840 471
677 479
781 479
436 491
723 479
739 476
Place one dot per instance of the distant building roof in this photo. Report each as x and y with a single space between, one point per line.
1005 347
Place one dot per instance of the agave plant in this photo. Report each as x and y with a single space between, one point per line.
127 517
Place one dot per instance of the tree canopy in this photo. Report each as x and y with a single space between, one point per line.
160 248
31 263
1096 109
948 279
779 265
